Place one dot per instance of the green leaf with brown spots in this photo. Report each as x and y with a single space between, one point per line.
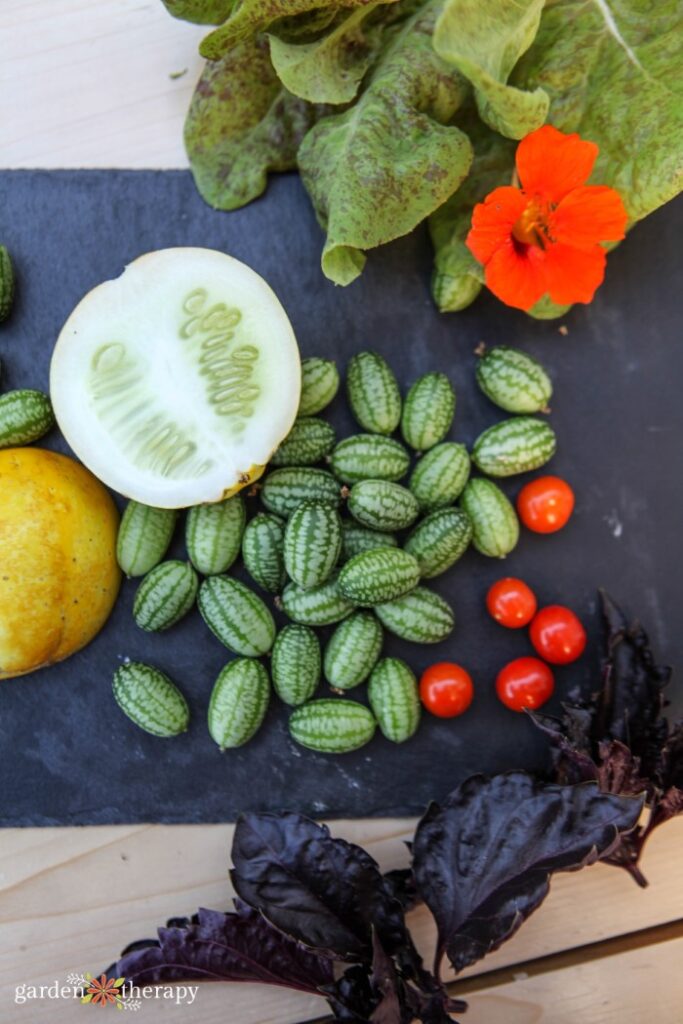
201 12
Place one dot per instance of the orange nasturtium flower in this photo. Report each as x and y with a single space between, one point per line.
545 237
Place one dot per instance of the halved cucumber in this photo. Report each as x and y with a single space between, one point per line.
176 381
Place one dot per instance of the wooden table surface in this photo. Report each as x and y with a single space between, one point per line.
85 84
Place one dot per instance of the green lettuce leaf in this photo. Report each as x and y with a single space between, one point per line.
484 39
242 124
379 168
457 277
612 70
329 69
252 16
201 12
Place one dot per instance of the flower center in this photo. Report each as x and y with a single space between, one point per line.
532 227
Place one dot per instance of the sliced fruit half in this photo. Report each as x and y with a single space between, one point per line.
176 381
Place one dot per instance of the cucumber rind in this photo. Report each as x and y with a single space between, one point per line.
213 534
296 664
394 698
144 536
165 595
236 616
353 650
428 411
238 703
519 444
332 726
379 575
150 700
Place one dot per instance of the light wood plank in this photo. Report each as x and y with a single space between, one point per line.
71 898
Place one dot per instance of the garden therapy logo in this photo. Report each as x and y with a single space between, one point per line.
105 991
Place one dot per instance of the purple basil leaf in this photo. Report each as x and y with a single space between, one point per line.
226 947
572 759
326 892
387 986
482 862
350 997
670 768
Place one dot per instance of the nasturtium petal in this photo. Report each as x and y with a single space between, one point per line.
329 69
241 125
551 163
376 170
612 71
484 39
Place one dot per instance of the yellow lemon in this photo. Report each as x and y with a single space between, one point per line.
58 572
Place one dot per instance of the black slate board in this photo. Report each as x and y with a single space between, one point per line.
67 754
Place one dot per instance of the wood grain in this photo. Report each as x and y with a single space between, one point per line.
89 85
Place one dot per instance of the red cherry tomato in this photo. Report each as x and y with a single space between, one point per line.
545 504
525 683
446 689
511 602
557 635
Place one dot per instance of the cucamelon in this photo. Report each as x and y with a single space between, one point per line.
394 699
440 476
319 606
238 703
428 411
144 536
295 664
515 445
309 441
377 576
420 616
513 380
263 551
439 540
213 534
332 726
165 595
285 489
373 393
312 543
149 698
319 385
495 526
6 283
352 650
369 457
25 415
237 616
383 505
357 538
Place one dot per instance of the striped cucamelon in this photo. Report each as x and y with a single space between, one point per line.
394 699
428 411
319 385
383 505
495 526
6 283
319 606
285 489
513 380
369 457
213 534
238 703
312 543
144 536
440 476
377 576
332 726
439 540
150 699
357 538
25 416
234 614
420 616
296 664
310 440
373 393
165 595
515 445
263 551
352 650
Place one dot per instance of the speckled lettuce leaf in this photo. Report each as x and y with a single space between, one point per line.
201 12
252 16
379 168
484 39
329 69
612 71
457 278
242 124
